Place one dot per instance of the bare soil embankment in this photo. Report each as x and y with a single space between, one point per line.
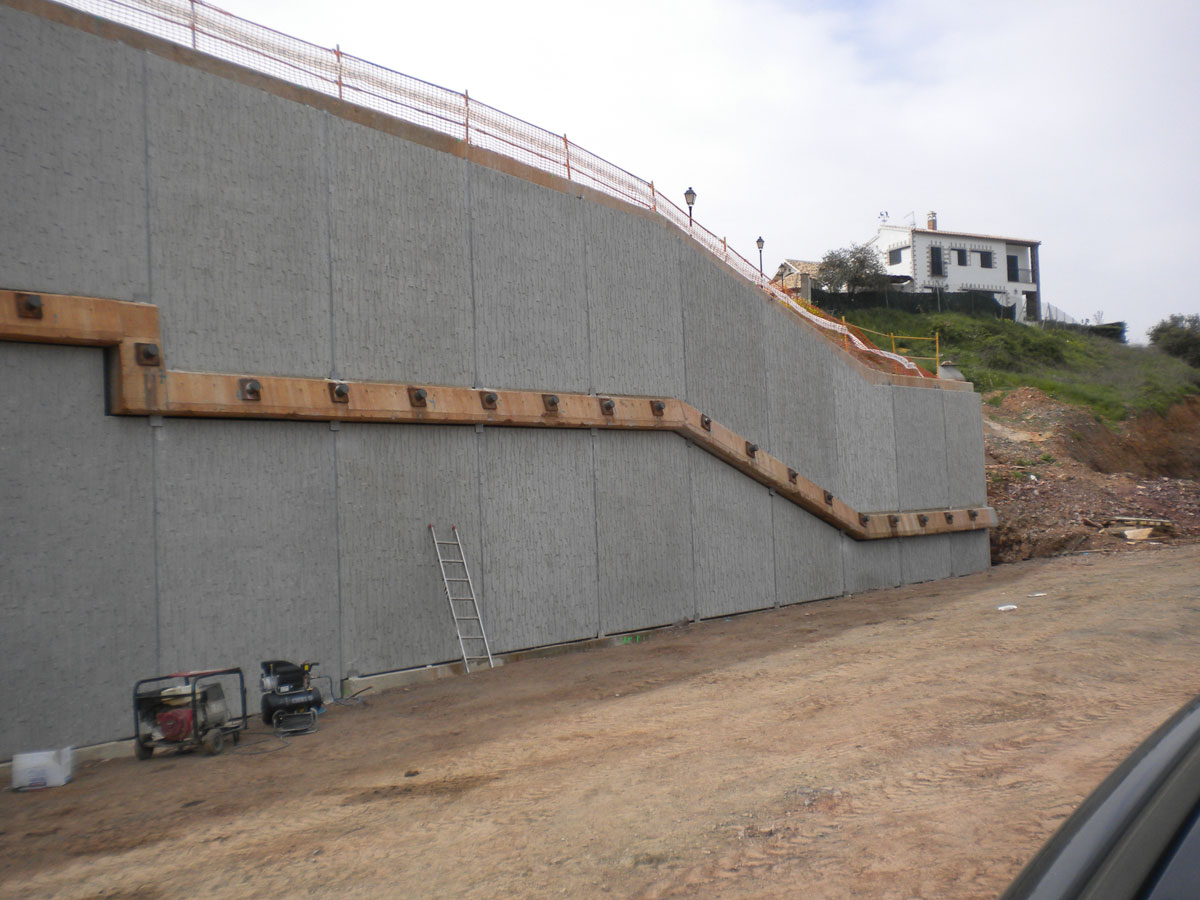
1057 476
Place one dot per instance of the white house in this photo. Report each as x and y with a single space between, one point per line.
936 260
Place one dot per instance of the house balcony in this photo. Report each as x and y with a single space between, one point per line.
1021 276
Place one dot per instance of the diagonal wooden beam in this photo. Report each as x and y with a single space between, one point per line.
141 384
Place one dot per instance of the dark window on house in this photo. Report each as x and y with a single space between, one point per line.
895 257
960 257
1014 272
937 267
986 261
1033 307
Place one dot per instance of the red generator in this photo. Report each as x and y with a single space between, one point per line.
186 710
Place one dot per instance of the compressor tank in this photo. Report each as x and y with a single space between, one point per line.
290 702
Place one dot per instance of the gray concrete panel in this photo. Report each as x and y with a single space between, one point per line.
926 558
247 545
531 305
401 259
869 565
808 555
277 239
964 449
803 409
239 224
731 527
644 532
920 448
393 482
972 552
77 622
634 315
723 343
72 162
539 537
866 440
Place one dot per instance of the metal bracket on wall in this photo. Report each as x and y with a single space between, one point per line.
138 386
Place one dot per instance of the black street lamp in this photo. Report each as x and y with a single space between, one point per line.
689 197
760 243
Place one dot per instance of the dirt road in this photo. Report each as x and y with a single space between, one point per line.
899 744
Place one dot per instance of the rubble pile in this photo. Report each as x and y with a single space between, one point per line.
1062 482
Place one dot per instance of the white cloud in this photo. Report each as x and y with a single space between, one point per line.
1065 121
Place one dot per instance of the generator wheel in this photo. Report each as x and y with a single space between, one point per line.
214 742
142 751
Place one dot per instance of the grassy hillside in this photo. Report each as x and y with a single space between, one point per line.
1113 380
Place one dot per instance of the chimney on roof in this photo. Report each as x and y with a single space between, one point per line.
932 224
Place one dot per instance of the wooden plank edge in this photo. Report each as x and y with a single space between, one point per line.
140 384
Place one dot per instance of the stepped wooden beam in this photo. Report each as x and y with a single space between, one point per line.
141 385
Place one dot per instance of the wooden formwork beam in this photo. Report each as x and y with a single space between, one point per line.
140 384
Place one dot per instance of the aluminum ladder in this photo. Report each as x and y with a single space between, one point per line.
468 625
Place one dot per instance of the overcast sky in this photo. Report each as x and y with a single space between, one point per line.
1073 123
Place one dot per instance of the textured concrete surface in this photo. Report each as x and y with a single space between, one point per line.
643 530
920 444
77 617
279 239
723 345
965 474
393 483
246 544
239 225
635 316
731 527
865 440
539 536
807 555
971 553
870 564
802 410
401 252
926 558
72 162
527 252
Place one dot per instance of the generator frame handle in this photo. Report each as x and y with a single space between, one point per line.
192 677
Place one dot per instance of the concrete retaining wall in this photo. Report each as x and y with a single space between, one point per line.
277 238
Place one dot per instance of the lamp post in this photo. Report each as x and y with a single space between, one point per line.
759 243
689 197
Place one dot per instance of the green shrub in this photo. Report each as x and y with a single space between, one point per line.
1110 379
1180 337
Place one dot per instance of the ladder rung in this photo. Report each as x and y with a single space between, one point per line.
444 560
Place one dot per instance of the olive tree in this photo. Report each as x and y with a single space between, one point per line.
855 268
